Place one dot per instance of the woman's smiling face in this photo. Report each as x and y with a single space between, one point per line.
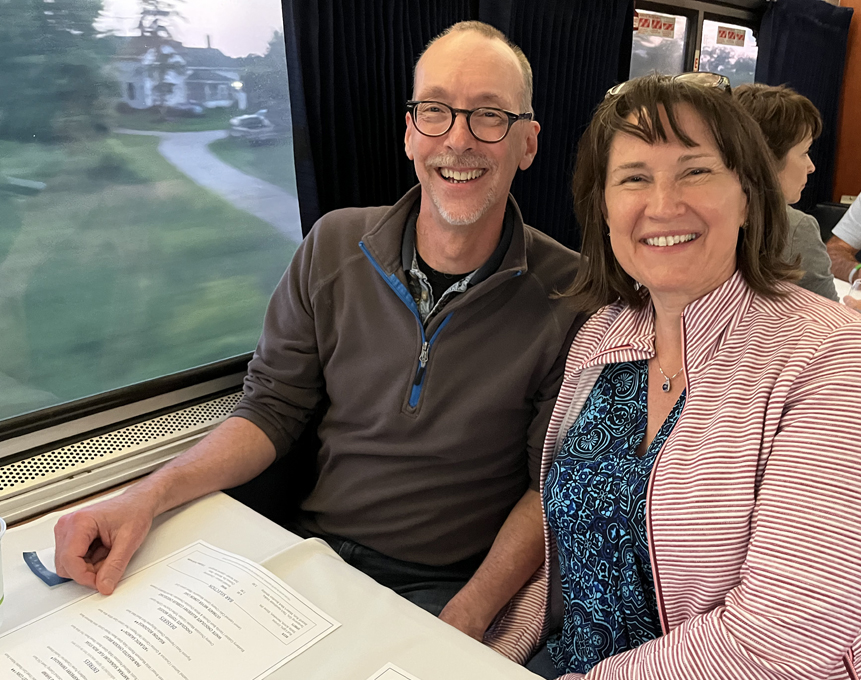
674 211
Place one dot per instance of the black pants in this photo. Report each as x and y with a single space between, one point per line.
429 587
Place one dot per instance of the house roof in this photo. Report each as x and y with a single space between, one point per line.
207 77
135 46
208 57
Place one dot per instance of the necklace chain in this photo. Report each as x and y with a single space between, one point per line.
667 386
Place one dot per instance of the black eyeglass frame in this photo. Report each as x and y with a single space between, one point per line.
722 82
512 118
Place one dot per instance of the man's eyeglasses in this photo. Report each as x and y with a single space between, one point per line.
701 78
486 124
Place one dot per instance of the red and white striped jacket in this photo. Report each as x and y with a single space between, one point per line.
754 503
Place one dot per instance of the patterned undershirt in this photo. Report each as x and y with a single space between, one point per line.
595 500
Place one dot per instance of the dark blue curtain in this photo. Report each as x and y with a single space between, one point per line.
350 66
578 49
802 43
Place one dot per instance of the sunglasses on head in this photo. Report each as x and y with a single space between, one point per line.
701 78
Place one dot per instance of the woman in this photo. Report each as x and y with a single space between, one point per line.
789 123
701 470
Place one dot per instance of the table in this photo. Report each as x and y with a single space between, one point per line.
378 626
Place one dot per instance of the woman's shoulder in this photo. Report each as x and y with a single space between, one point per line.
805 314
795 216
597 325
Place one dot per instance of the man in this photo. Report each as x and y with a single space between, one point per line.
432 331
844 243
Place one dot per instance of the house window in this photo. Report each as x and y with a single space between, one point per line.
130 91
222 92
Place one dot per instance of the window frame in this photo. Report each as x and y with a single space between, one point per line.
691 29
32 433
747 13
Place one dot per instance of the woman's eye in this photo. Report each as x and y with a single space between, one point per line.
633 179
699 171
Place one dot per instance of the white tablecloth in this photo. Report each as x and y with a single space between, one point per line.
378 626
842 287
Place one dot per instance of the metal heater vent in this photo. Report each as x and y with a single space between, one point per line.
147 444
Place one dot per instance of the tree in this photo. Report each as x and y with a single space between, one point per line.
165 65
266 81
739 67
52 70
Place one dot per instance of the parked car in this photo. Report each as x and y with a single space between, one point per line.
186 110
253 127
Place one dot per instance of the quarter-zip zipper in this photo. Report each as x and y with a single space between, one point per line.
423 360
419 380
404 294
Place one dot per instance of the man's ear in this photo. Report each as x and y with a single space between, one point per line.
531 145
408 135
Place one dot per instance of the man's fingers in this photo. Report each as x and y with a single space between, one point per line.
853 303
73 536
114 566
97 555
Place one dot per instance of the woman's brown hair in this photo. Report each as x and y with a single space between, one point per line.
601 280
784 116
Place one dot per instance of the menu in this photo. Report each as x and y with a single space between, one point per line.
199 613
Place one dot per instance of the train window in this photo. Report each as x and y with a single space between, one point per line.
659 43
728 49
147 190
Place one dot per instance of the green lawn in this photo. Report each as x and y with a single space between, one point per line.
215 119
120 271
271 162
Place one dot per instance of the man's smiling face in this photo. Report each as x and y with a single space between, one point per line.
465 181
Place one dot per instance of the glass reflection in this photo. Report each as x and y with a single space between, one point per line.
147 191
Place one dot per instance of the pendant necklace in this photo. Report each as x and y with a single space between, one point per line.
667 386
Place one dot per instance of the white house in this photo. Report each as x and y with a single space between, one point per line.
154 71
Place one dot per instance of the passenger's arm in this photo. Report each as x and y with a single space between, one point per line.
515 555
518 550
283 386
94 544
842 257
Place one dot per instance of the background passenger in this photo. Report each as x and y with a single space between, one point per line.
701 479
843 246
790 123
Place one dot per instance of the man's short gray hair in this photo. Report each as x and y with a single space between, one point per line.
489 31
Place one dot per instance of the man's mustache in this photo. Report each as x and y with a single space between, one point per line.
467 160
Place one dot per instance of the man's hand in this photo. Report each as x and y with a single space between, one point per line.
94 544
852 303
842 257
458 614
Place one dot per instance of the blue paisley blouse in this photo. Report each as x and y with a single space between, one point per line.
595 500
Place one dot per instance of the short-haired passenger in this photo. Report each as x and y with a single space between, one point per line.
790 122
702 476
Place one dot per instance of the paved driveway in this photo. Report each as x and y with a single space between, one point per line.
189 153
